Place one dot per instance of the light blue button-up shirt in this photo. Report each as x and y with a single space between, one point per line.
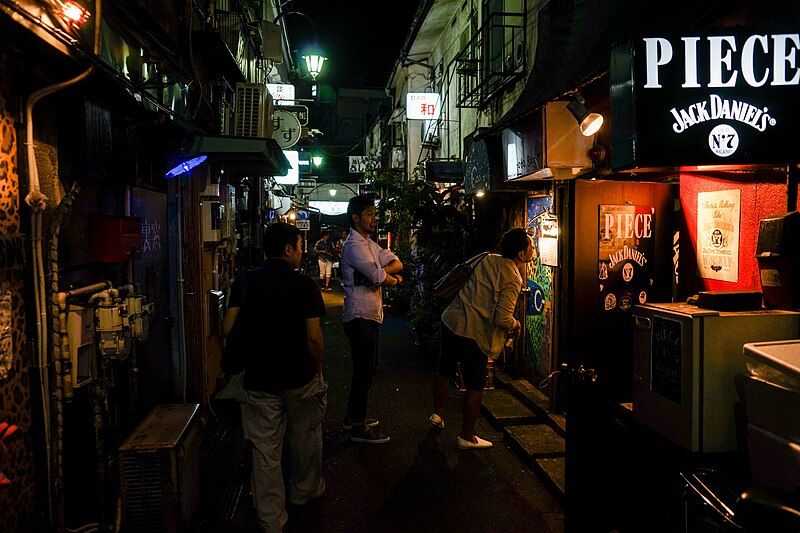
365 256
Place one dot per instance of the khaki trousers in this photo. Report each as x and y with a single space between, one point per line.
265 420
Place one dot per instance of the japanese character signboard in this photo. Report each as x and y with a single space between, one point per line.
423 106
286 128
282 93
625 255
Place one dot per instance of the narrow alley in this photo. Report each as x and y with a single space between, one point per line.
420 481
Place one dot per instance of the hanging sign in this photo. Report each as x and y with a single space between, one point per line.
358 164
423 106
625 258
718 234
717 97
286 128
282 93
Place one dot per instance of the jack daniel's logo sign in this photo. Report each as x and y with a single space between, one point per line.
712 97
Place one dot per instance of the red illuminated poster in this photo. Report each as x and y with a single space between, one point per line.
625 256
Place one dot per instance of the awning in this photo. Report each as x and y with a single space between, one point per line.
254 156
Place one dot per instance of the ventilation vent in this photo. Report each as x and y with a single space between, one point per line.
253 110
143 490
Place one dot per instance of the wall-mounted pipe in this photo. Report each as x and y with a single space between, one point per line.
62 390
38 202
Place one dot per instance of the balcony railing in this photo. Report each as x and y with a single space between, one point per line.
493 58
241 36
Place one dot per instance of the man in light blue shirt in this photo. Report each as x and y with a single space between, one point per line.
366 267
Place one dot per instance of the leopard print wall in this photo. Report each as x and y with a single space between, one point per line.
17 499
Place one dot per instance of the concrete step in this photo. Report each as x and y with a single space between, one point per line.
535 441
551 472
502 409
532 398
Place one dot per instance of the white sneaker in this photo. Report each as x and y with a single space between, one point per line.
477 444
436 421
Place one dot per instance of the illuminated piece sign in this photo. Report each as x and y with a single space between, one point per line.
708 98
423 106
293 176
282 93
625 256
286 128
300 111
304 225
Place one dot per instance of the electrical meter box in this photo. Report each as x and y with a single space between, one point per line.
213 214
80 330
114 239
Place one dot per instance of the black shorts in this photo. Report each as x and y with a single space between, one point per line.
457 349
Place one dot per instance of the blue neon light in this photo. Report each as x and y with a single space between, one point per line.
186 166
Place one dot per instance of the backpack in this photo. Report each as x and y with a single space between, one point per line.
451 283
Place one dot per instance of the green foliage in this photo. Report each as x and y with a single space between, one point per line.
430 235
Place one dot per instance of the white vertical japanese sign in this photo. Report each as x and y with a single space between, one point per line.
718 234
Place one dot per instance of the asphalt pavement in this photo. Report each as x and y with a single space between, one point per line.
420 481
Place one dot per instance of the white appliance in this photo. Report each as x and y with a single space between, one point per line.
684 362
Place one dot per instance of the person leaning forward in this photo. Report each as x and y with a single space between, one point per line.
476 325
283 383
366 267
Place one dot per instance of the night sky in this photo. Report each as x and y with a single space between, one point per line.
362 39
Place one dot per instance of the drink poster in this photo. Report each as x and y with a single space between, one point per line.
625 257
718 234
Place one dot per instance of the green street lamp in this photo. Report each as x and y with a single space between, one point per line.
314 60
317 160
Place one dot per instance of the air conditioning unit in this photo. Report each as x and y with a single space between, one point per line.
253 110
160 470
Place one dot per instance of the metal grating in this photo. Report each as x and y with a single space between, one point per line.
492 59
250 110
143 490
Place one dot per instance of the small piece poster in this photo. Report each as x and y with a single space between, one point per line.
548 241
625 256
718 234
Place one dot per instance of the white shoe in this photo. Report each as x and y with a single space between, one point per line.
436 421
477 444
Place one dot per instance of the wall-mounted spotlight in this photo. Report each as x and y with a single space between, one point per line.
589 123
480 193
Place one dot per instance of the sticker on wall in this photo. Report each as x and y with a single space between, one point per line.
625 255
718 234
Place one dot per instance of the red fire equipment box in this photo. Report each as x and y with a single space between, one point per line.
114 239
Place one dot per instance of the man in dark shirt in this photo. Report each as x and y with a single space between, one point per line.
276 310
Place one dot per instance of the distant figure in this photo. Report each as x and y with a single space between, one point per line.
282 374
337 250
324 251
476 325
366 267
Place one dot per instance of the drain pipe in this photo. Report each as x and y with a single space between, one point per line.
37 202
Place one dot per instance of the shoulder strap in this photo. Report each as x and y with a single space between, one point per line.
473 263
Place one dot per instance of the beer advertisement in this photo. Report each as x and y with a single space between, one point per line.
625 258
718 234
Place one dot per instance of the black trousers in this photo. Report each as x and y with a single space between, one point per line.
364 337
